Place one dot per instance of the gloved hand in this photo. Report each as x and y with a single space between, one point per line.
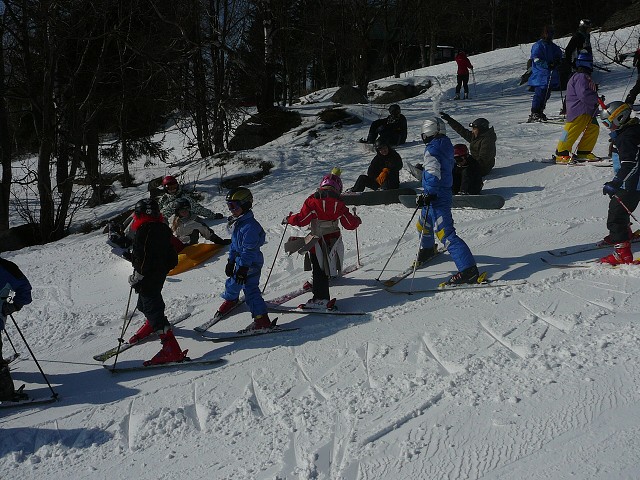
217 240
611 188
218 216
383 176
285 220
228 270
9 308
224 241
241 275
445 117
135 278
425 199
551 66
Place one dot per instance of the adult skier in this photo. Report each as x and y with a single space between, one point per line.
580 41
464 65
546 57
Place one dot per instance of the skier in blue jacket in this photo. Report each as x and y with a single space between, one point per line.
436 200
546 57
245 261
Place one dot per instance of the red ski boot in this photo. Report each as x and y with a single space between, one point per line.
621 254
143 332
227 306
171 351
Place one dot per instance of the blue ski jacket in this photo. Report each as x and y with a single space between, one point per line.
438 162
246 239
544 56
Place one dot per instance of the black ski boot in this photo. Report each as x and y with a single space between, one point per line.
468 275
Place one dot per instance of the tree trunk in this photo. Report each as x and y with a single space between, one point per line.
5 147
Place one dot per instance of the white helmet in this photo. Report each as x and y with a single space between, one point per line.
615 114
432 127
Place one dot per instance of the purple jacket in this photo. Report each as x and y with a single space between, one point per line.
581 96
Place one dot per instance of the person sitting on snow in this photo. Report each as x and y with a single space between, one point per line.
393 129
383 171
174 191
188 228
481 138
467 179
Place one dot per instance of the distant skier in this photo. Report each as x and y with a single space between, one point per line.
546 57
153 258
187 228
467 175
383 172
436 218
392 130
582 107
482 140
624 188
464 65
324 211
11 280
245 261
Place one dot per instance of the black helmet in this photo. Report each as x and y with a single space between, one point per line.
380 143
181 204
147 206
243 196
394 109
481 124
585 23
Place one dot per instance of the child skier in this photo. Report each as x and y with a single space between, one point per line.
187 228
324 211
245 260
437 181
153 257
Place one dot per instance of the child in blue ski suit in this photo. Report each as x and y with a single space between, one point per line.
245 261
436 218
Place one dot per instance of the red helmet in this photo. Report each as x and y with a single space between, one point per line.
169 180
460 150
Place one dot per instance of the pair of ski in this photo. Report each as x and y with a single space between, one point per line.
635 238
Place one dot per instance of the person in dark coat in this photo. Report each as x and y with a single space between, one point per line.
464 65
153 257
545 77
383 171
481 138
467 176
633 93
393 129
580 42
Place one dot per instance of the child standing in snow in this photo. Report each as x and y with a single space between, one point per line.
436 218
245 260
324 211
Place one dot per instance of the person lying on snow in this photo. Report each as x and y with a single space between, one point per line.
188 228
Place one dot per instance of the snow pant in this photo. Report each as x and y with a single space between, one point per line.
540 97
463 81
379 129
618 219
320 279
363 182
7 389
572 130
151 304
633 93
251 288
440 222
466 180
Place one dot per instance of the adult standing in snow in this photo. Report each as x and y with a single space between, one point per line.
464 65
633 93
11 280
153 257
245 261
325 211
383 171
173 191
624 189
481 138
467 176
582 107
187 227
580 41
393 129
436 218
546 57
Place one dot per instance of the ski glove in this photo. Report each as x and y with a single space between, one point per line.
135 278
285 220
383 176
445 117
611 188
241 275
218 216
425 199
217 240
228 270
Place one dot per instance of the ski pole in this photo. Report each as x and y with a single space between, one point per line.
415 263
473 76
10 342
125 326
357 242
53 393
399 240
624 206
276 256
595 112
126 310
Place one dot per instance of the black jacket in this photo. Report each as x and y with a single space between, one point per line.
153 255
393 162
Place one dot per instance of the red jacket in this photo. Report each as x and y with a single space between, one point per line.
463 64
324 205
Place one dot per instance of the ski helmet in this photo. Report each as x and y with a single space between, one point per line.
182 204
241 196
169 180
585 60
460 150
394 109
481 124
432 127
585 23
147 206
380 144
331 181
615 115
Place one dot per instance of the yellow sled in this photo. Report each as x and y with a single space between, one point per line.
194 255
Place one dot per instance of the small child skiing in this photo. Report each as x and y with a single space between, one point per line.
436 218
187 228
245 261
324 211
153 257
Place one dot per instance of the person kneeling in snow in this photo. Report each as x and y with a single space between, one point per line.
188 228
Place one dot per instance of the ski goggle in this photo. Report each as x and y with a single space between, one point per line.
607 123
233 205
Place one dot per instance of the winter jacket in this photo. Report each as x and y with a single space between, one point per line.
395 129
579 41
581 96
152 253
323 210
438 162
627 140
183 228
482 147
464 64
246 239
12 279
391 161
168 200
546 57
